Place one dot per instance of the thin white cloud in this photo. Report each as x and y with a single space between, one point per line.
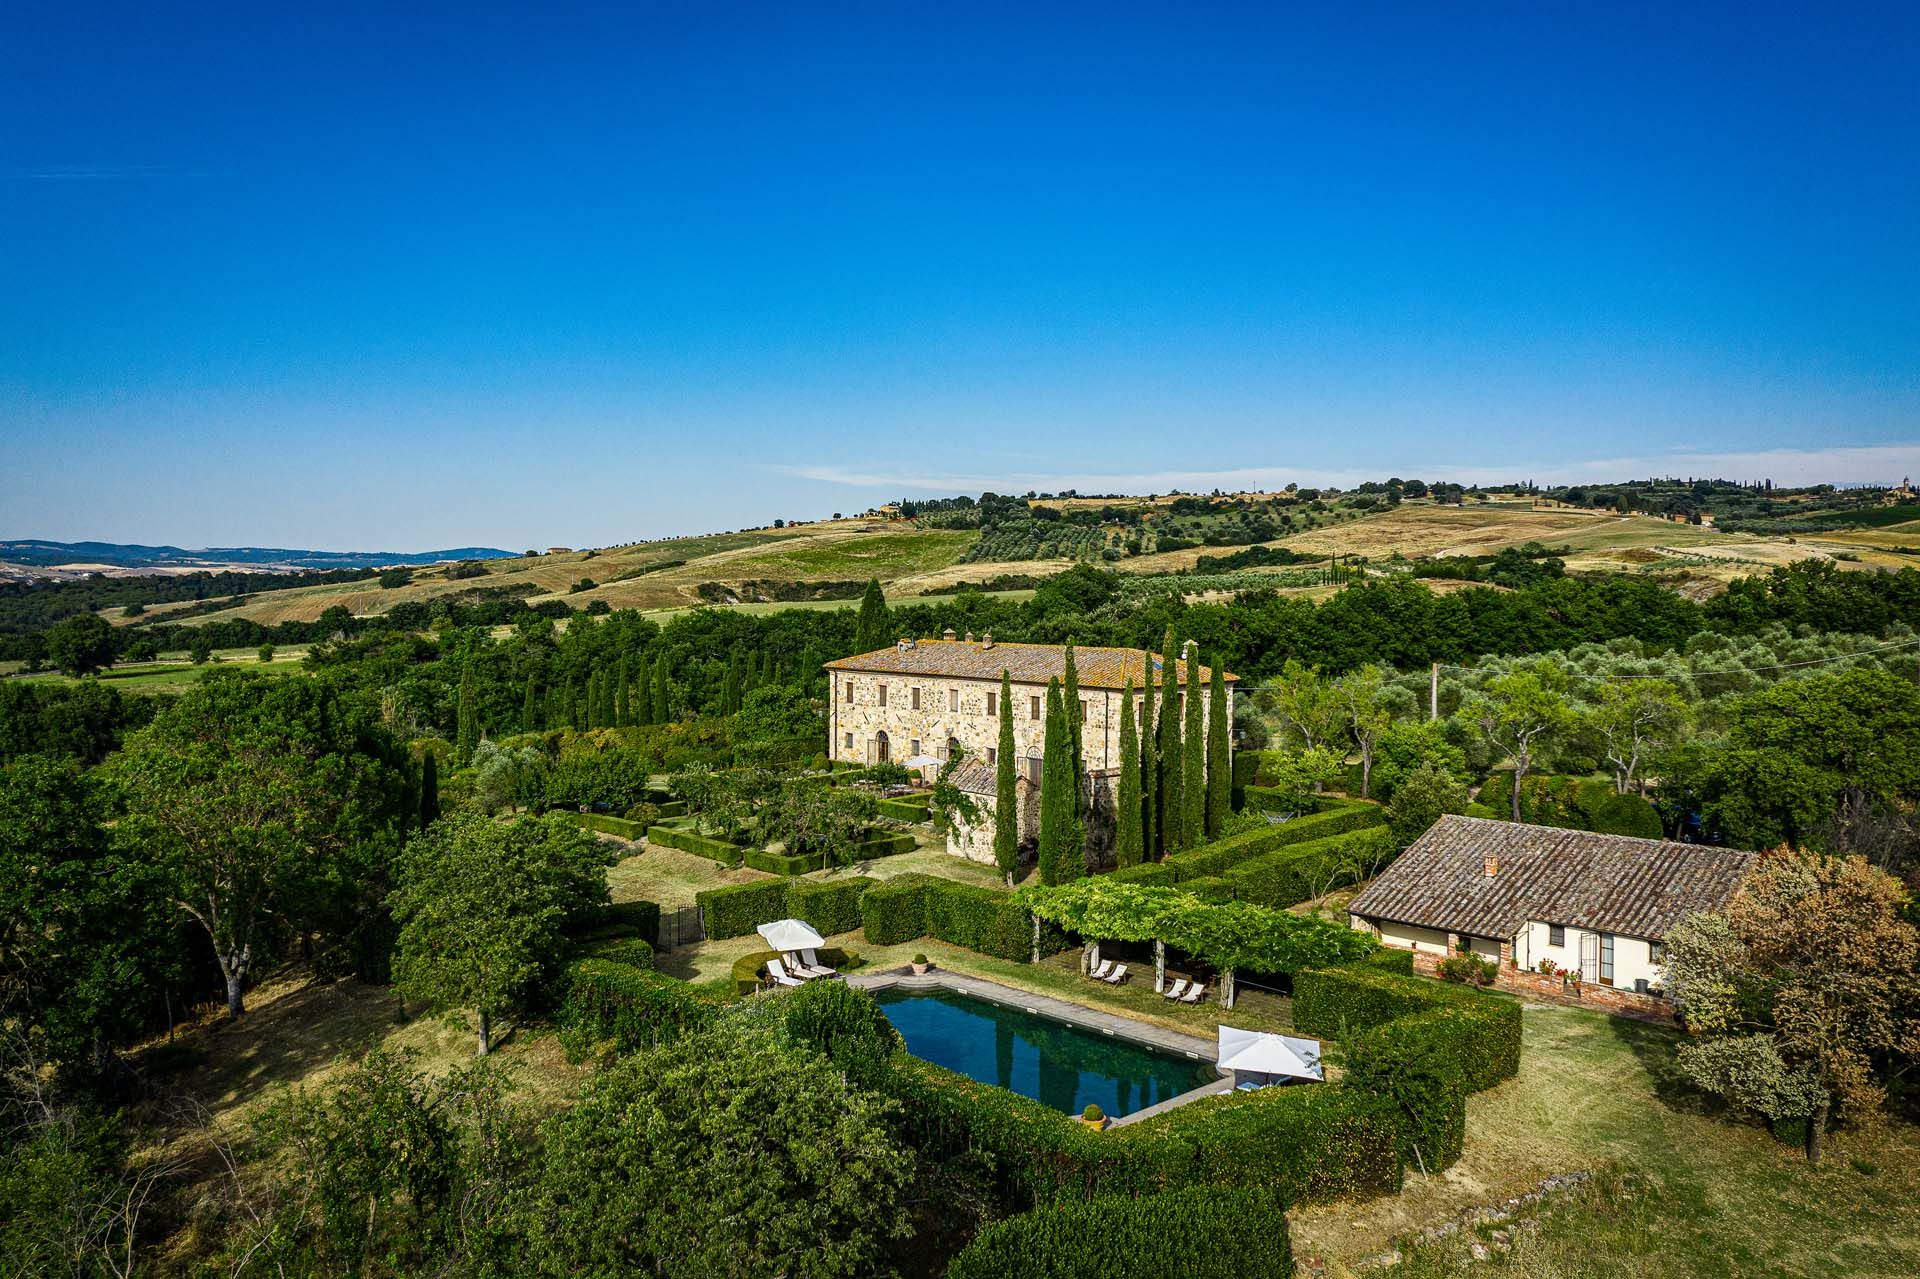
1845 464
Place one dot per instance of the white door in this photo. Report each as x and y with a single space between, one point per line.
1590 957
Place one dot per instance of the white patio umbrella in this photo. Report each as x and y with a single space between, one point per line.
785 935
922 761
1253 1052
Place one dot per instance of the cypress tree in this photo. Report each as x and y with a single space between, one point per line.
870 631
1006 790
1219 755
1193 754
530 707
730 690
1149 771
660 705
622 699
1172 810
467 718
1070 704
1062 840
593 700
429 789
1127 846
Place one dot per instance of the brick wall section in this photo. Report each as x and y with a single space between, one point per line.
1608 999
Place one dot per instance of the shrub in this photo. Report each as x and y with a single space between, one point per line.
845 1025
980 919
783 863
1303 1144
1469 969
620 826
1216 1234
1302 871
1223 854
1483 1029
1209 888
1159 873
689 841
886 845
635 952
904 810
631 1008
738 909
640 918
830 905
1092 1114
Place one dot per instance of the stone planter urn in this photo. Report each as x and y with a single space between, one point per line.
920 965
1093 1119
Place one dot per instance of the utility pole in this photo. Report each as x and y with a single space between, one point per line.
1433 693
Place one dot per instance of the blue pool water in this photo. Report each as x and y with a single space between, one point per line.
1056 1064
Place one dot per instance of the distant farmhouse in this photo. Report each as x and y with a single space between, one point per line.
1599 905
930 699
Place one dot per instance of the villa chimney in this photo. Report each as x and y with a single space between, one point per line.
947 634
986 639
969 637
1493 865
905 644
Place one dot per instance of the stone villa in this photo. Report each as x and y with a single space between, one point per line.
932 698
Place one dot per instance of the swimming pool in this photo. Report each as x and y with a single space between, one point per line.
1059 1065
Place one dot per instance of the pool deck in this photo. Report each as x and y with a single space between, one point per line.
1140 1032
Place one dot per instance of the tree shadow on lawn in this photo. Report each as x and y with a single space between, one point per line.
1656 1049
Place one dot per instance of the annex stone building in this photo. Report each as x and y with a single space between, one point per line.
933 698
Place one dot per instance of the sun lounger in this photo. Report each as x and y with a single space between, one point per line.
813 967
1100 973
778 974
792 962
1195 995
1118 975
1176 990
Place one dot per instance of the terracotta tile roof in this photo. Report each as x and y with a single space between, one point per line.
1027 663
1608 883
980 779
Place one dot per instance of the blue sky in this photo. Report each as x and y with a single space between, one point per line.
352 279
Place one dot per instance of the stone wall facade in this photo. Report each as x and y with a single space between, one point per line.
873 716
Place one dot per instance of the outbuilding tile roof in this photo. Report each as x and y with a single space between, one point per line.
976 778
1026 663
1607 883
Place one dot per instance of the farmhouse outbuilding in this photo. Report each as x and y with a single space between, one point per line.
1598 905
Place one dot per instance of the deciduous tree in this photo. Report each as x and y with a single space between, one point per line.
1520 710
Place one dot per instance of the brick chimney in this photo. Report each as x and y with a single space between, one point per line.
1493 865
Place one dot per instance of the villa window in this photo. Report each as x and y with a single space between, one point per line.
993 756
1083 710
1657 952
953 699
849 692
993 703
849 741
883 694
916 746
1606 959
916 706
1033 708
1556 935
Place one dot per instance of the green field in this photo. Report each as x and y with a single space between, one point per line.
174 671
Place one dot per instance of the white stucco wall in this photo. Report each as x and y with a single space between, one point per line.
1632 956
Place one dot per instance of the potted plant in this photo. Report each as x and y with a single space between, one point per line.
1093 1117
920 965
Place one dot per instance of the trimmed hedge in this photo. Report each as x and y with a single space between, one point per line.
1295 873
1147 873
635 952
1216 1234
1209 888
640 918
905 810
1303 1144
1420 1045
830 905
980 919
738 909
783 863
609 1001
606 824
887 845
1223 854
747 974
691 841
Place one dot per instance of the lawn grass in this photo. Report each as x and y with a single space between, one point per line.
1688 1193
172 673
